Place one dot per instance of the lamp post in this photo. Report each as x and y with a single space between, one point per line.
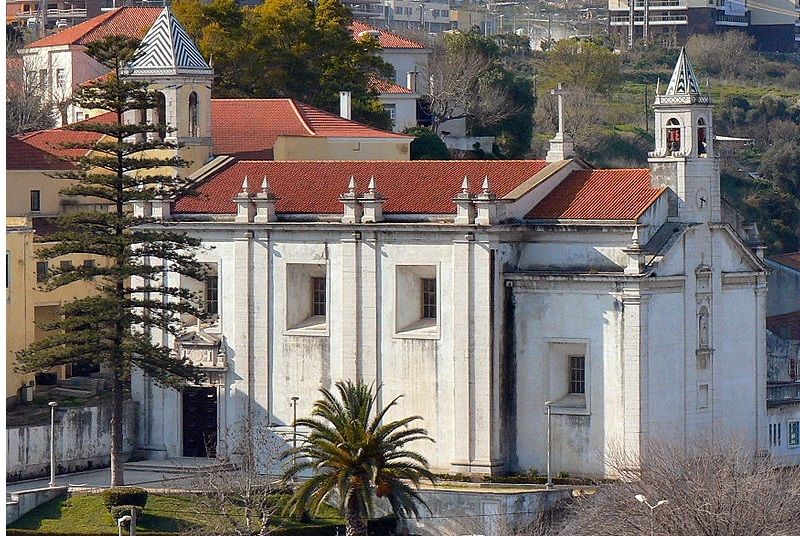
642 499
294 428
548 405
53 405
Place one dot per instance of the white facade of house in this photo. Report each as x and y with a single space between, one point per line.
641 329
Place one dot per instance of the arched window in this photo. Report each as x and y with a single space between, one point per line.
193 115
702 137
673 135
161 115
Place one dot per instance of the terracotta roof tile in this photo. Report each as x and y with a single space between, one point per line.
131 21
792 260
51 140
599 194
410 187
23 156
248 128
385 86
786 326
386 39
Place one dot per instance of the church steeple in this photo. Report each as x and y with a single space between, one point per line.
684 158
169 60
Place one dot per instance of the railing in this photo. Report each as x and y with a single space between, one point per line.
783 393
652 20
75 13
733 20
653 5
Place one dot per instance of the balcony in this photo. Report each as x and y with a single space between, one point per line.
655 5
783 393
733 20
74 13
653 20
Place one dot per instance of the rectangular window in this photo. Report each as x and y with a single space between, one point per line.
41 271
428 298
391 109
577 375
794 434
775 434
88 263
702 396
36 200
42 79
61 79
212 294
79 116
318 305
65 266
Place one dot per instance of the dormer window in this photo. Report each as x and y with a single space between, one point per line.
673 135
702 137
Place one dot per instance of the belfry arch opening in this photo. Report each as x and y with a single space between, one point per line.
702 137
673 135
160 118
193 114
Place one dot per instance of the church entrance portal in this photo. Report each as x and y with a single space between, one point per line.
200 422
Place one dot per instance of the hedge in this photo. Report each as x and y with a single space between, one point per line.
124 496
28 532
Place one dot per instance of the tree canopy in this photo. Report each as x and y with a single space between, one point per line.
288 49
127 163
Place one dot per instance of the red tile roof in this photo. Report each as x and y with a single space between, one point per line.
130 21
386 86
410 187
51 140
248 128
386 39
792 260
599 194
786 326
23 156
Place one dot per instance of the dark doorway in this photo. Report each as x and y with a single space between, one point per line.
200 422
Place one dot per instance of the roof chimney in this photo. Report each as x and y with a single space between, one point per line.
345 104
411 80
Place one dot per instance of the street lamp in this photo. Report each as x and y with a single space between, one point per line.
642 499
549 484
53 405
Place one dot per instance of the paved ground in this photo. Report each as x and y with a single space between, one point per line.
151 474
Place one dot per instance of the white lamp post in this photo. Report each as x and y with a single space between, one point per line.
549 484
642 499
53 405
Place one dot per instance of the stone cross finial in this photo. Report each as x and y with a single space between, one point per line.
560 92
465 185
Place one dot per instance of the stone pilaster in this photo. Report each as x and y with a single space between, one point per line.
462 373
350 306
242 345
635 370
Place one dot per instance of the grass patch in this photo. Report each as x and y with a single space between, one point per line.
84 513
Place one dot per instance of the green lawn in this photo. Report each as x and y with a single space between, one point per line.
84 513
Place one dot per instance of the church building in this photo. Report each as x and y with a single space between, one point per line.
479 290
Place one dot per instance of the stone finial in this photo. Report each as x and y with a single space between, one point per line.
265 202
465 185
245 186
485 186
265 186
485 204
465 209
561 146
658 86
371 186
372 204
636 254
352 205
245 209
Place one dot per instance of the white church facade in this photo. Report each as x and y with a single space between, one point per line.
479 290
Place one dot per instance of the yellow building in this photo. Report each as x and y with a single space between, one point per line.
32 201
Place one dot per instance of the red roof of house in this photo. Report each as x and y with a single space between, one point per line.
792 260
786 326
386 39
51 140
130 21
23 156
386 86
599 194
410 187
248 128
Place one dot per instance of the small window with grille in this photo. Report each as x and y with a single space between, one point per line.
318 302
428 298
212 295
577 375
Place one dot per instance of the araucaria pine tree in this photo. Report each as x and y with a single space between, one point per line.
124 165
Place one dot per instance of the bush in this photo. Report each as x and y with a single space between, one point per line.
124 496
427 145
124 510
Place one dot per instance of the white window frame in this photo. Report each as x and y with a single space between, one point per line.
789 434
406 301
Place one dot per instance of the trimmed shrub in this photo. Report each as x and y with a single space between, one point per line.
124 510
124 496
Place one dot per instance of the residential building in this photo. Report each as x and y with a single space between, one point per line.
671 22
425 15
32 202
479 290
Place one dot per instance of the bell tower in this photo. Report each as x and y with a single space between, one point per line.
173 66
684 158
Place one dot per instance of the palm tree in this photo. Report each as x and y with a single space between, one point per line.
352 453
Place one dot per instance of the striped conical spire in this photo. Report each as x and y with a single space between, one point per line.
167 49
683 81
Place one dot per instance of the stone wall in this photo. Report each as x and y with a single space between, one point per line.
83 441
